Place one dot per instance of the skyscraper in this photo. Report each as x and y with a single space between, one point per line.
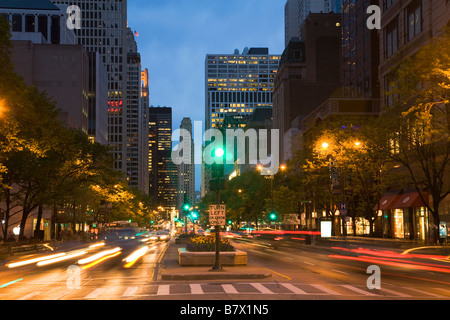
162 172
305 7
186 171
360 51
291 21
237 84
104 30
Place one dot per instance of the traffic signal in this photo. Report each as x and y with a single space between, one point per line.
273 216
217 181
186 207
218 165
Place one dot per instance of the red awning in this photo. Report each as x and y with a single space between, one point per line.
411 199
388 200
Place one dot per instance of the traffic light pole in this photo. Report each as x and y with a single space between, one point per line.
217 266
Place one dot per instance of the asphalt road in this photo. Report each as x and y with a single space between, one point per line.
298 273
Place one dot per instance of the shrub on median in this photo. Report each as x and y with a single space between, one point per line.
208 244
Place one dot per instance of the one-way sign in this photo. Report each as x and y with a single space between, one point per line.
217 215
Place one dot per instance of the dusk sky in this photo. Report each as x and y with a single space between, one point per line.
175 36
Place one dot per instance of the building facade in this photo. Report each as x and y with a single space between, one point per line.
162 171
103 30
310 72
306 7
291 21
406 27
186 172
237 84
360 54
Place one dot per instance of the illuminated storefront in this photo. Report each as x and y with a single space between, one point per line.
404 215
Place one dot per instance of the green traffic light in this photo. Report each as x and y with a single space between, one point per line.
219 152
186 207
273 216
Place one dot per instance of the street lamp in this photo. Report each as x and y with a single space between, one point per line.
2 107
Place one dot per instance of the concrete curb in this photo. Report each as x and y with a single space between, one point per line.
212 275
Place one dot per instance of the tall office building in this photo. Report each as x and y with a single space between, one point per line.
144 151
237 84
162 172
134 128
104 30
186 171
305 7
98 98
44 53
360 51
291 21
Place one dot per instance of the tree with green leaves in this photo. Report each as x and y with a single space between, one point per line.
418 122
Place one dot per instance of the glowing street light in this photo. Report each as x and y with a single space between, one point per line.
325 145
2 107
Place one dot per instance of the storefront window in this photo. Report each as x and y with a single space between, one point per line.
422 223
398 224
362 226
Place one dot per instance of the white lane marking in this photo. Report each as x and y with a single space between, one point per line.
228 288
339 271
355 289
163 290
261 288
326 290
396 293
130 292
426 293
196 289
94 294
293 288
30 295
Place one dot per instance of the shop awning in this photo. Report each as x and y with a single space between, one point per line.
388 200
411 199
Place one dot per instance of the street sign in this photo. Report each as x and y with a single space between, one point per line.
217 215
343 208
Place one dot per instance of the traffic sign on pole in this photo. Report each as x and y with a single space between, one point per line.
343 208
217 215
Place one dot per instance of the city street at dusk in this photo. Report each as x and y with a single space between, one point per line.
221 159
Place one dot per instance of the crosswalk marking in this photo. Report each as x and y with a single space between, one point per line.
396 293
293 288
163 290
261 288
230 289
425 293
30 295
196 289
130 292
94 294
326 290
442 289
355 289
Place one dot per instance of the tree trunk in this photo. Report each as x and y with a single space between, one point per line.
37 230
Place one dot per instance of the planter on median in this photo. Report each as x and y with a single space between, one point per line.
227 258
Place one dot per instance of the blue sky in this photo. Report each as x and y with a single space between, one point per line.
175 36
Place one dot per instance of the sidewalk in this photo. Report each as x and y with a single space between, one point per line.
171 270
